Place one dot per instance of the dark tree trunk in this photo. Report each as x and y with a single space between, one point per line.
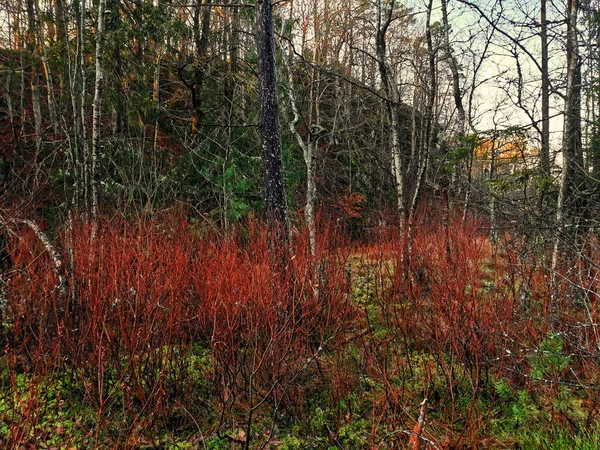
571 150
272 160
571 142
62 41
460 110
32 48
201 31
545 151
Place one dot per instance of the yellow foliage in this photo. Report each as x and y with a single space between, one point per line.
505 148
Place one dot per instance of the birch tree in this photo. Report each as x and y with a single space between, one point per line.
390 87
97 110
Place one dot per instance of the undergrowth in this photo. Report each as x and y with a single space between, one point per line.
152 333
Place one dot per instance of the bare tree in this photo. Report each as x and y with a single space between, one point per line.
83 162
97 110
390 87
428 138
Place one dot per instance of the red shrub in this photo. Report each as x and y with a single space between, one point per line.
141 294
151 319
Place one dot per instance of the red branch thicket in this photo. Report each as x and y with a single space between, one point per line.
142 300
169 326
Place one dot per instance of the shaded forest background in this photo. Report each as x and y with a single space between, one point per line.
170 115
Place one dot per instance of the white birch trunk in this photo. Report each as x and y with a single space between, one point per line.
97 109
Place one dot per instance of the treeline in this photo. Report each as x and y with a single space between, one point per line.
136 105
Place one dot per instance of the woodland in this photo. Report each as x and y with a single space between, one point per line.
299 224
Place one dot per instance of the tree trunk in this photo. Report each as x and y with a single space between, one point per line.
571 144
10 111
493 212
84 160
97 110
22 84
201 31
392 103
429 124
32 48
235 39
76 151
48 73
545 150
460 110
272 159
308 150
119 108
62 40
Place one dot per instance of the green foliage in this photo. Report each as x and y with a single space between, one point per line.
214 177
559 439
59 416
184 445
503 389
462 152
544 183
525 414
522 408
318 422
549 359
292 443
295 170
216 443
354 435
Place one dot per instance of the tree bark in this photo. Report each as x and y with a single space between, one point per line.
429 124
201 31
97 109
84 159
384 19
32 47
42 54
571 144
308 151
492 194
460 110
10 111
545 138
272 159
